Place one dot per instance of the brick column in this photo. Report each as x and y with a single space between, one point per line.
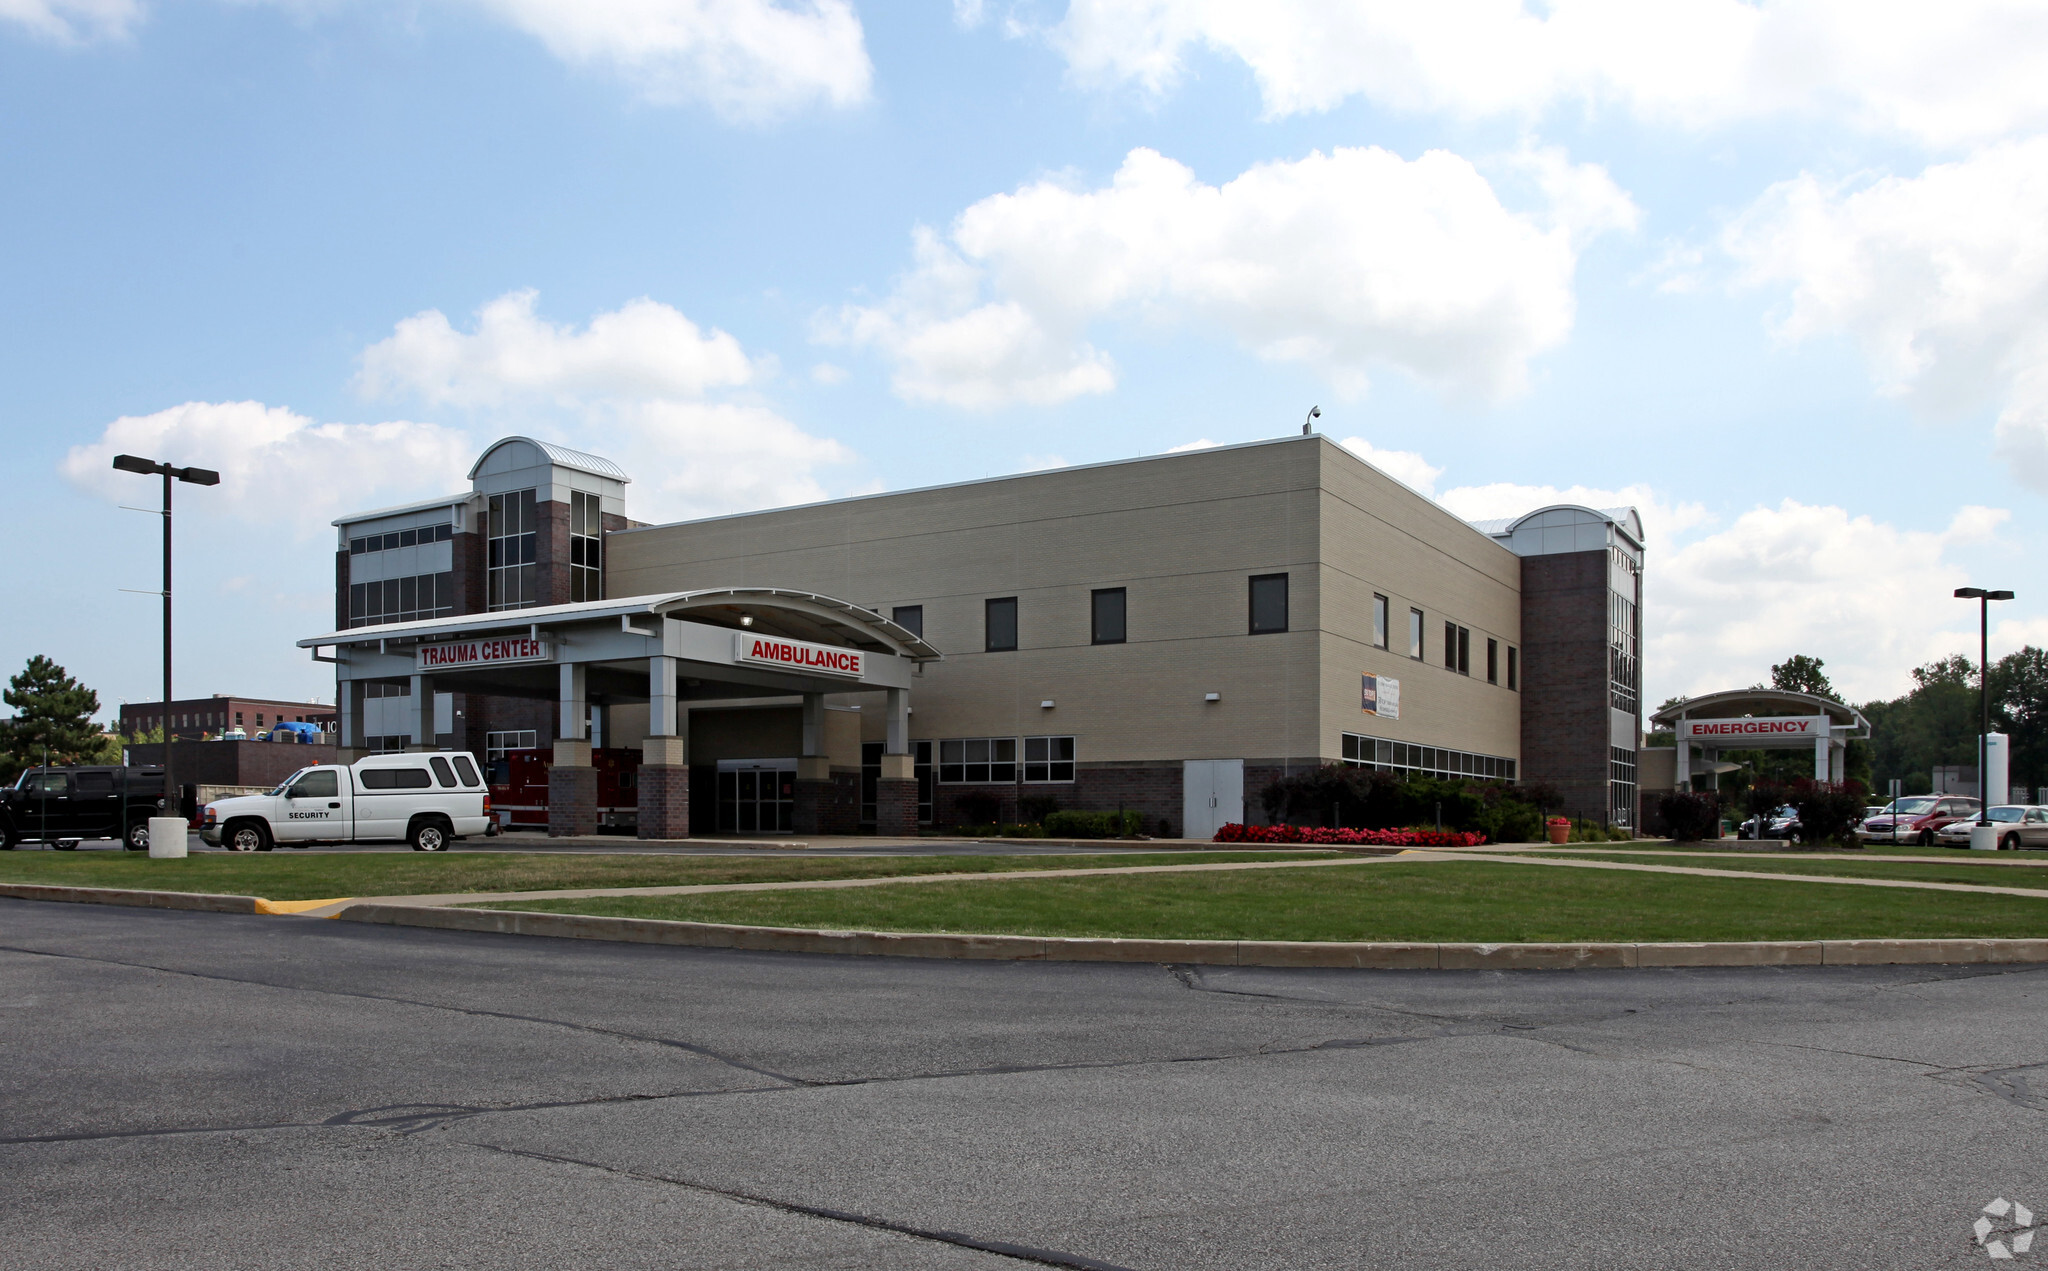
664 790
572 790
896 798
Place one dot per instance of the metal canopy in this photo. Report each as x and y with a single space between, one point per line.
1763 702
798 615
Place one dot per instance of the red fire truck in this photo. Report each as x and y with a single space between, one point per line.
519 788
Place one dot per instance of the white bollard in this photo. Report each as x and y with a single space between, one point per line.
1984 838
167 838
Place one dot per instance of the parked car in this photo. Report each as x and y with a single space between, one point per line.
1782 824
60 806
429 801
2019 825
1916 818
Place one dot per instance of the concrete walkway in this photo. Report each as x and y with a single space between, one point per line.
1979 858
328 909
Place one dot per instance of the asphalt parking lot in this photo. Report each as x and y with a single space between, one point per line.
195 1090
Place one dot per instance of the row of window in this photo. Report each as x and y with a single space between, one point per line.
993 760
204 719
407 599
586 547
512 545
400 538
1435 761
1623 779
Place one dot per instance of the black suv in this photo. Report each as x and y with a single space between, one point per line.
59 806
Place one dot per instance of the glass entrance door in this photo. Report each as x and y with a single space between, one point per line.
756 796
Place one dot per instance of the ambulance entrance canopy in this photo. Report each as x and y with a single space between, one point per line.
665 650
1763 719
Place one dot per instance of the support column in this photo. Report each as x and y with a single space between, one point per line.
420 714
664 802
1821 746
1684 759
816 796
896 790
348 704
1838 758
572 782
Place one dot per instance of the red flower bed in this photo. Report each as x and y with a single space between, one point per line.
1235 833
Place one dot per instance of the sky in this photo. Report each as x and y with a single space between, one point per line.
1773 273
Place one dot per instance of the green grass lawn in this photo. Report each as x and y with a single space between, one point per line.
276 876
1728 846
1449 901
1981 874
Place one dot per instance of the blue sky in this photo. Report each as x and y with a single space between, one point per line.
1772 272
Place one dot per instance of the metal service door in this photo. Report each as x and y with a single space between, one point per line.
1212 795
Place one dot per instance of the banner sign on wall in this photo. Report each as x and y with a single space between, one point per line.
459 654
1380 695
799 655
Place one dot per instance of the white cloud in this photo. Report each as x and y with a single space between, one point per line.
1662 520
1343 262
1200 443
1405 466
1804 579
632 385
276 467
642 349
1962 71
73 21
827 374
1941 278
744 58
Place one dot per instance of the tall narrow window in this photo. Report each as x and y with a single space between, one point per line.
1106 616
1415 634
1514 667
1379 622
1493 661
512 548
586 547
910 618
1450 646
1464 650
1269 603
1001 617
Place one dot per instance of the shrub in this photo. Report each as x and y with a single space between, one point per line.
1323 835
1092 825
978 807
1828 813
1032 809
1359 797
1691 817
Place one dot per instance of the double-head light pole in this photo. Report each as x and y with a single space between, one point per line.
173 801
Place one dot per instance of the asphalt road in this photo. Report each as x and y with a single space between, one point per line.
197 1090
625 845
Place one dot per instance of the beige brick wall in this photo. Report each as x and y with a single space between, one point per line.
1182 534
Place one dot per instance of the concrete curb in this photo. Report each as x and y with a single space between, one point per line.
1268 953
205 901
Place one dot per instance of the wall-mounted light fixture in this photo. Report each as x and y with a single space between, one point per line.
746 620
1212 697
1045 705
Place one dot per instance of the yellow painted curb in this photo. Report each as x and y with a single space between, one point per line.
295 906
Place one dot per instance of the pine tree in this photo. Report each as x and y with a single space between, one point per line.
50 710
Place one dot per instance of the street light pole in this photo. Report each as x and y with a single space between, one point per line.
1983 599
173 803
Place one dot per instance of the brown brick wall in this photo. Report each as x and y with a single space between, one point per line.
572 800
1564 679
828 807
896 807
341 590
664 811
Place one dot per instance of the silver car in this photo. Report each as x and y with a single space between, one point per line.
2019 826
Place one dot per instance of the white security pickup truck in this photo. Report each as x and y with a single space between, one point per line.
427 800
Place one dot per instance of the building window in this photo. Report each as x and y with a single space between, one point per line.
498 745
1382 755
1623 764
1415 634
238 719
512 548
1379 622
1001 620
1493 661
400 538
393 744
401 599
380 688
1269 603
586 547
978 761
1457 648
1048 759
1106 616
1450 646
1624 631
910 618
1514 667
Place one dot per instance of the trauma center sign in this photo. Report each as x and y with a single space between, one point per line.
461 654
1765 730
798 655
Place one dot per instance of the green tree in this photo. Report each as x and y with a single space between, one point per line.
52 713
1802 674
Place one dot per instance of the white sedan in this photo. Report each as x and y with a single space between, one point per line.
2019 826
